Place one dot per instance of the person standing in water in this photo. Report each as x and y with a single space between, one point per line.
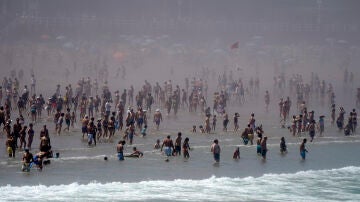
236 154
321 125
120 150
215 149
169 146
267 101
311 129
283 148
27 159
157 118
178 144
31 134
264 147
214 123
303 149
186 148
157 144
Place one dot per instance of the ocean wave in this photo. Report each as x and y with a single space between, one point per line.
313 185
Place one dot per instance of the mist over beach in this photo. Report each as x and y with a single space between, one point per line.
88 87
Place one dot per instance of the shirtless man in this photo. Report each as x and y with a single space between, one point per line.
2 115
236 121
120 150
131 95
67 119
169 146
84 124
225 121
215 149
303 149
59 123
31 134
207 124
186 148
27 159
45 144
157 118
16 131
263 147
281 105
312 126
10 146
178 144
267 101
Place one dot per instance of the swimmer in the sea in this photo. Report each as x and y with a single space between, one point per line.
136 153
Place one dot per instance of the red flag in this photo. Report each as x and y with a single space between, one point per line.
235 45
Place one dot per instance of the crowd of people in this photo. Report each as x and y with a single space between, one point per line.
104 114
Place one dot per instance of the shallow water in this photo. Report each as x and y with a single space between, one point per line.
82 174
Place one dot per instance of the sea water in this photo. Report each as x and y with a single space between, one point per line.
329 173
314 185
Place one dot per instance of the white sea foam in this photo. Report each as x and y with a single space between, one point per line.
321 185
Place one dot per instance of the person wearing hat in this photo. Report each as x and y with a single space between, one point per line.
27 160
